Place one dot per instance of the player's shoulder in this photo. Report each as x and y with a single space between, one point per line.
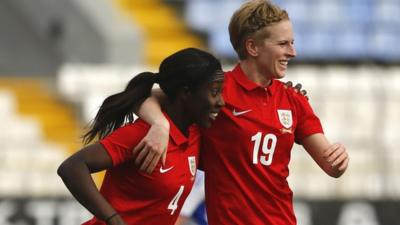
138 124
228 72
129 133
230 86
228 75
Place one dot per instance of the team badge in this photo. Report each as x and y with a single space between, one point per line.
285 117
192 164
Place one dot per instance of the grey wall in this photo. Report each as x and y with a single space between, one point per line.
21 50
36 37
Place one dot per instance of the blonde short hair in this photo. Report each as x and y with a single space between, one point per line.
252 16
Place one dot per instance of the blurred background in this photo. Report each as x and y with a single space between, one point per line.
59 59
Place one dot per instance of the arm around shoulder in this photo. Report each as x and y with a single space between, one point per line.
150 111
154 145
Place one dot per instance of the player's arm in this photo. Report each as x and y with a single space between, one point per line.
154 145
75 173
332 158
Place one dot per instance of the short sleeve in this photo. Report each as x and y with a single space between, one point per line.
307 122
120 143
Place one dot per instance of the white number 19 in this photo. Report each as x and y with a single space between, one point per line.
268 148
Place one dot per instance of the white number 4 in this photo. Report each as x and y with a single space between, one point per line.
173 205
268 148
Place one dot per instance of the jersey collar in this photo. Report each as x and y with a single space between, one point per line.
248 84
176 135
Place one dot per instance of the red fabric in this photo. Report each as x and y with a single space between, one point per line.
239 191
141 198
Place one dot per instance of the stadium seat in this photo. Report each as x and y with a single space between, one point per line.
303 213
67 82
15 129
358 30
48 156
390 121
363 122
299 11
218 42
379 48
358 13
394 184
41 183
336 83
372 185
365 82
350 43
12 183
199 14
91 105
327 13
7 104
319 44
16 158
318 185
73 213
386 12
391 82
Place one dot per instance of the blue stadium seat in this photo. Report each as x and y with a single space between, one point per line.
199 14
350 43
326 30
327 13
386 12
359 12
220 44
317 44
207 15
298 11
383 44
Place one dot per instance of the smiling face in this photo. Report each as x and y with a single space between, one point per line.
206 101
273 48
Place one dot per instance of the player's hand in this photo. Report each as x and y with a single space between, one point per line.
152 148
296 88
337 156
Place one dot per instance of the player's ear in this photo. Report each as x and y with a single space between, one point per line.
251 47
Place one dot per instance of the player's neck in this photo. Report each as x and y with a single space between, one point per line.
178 117
253 73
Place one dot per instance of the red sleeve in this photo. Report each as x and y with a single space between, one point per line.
120 143
307 122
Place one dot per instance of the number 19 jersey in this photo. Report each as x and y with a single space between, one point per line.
247 151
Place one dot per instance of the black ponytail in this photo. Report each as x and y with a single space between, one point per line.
188 68
118 108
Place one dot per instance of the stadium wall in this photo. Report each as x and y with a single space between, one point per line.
47 33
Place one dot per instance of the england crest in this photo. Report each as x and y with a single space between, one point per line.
285 117
192 164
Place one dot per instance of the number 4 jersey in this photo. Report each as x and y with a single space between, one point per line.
149 199
247 152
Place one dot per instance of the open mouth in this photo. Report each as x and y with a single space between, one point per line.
283 63
213 115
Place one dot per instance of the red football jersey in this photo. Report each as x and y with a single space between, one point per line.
149 199
247 151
